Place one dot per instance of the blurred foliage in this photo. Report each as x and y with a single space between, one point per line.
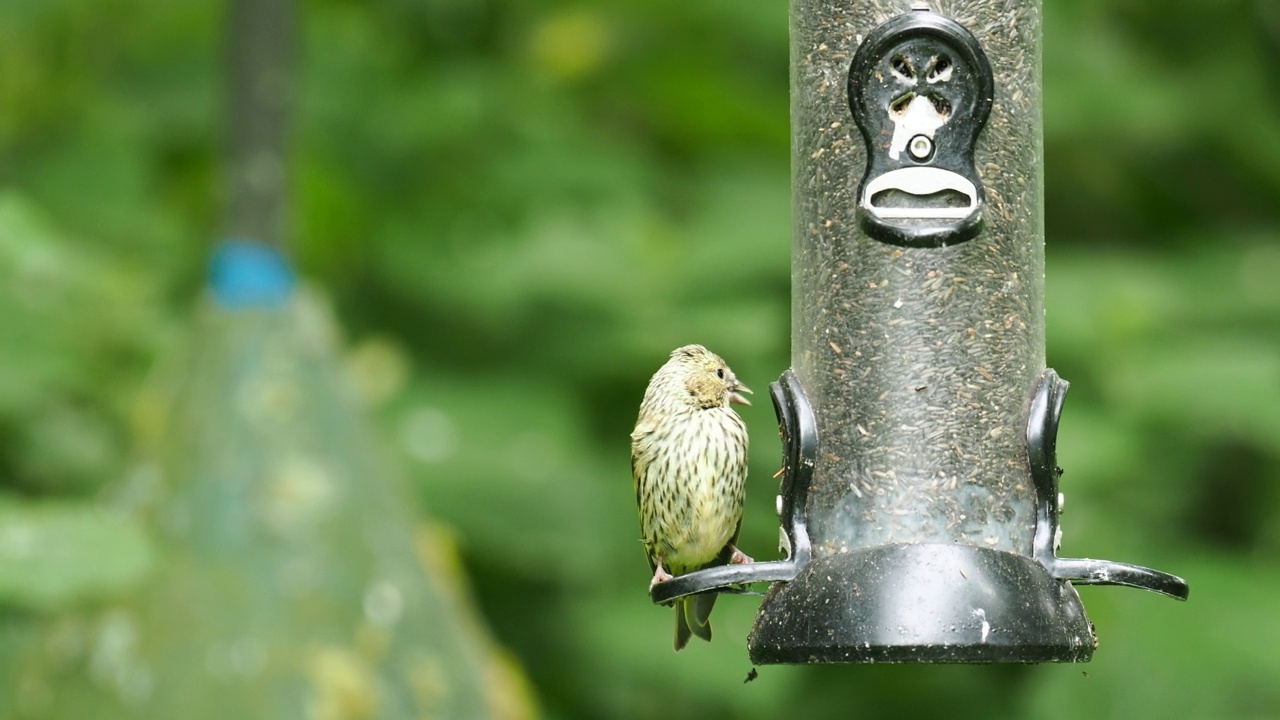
517 209
54 554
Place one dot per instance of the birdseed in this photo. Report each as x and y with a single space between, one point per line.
920 362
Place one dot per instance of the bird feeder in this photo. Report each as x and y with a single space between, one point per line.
919 504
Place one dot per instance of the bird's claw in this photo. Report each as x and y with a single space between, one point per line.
739 558
659 575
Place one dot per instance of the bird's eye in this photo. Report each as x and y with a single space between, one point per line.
720 373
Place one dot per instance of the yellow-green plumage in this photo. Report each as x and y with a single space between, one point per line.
689 462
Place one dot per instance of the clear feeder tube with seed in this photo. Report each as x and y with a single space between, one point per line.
919 355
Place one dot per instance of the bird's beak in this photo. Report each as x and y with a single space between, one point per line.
735 395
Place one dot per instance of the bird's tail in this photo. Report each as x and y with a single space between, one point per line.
693 617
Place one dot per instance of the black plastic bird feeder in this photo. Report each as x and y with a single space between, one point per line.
920 503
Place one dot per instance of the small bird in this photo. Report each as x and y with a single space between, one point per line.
689 463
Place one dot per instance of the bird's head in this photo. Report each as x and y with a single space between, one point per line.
708 378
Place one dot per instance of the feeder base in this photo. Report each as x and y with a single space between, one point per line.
922 603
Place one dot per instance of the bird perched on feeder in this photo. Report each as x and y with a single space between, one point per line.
689 462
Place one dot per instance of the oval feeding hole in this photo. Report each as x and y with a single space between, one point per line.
899 106
901 66
939 69
941 200
941 105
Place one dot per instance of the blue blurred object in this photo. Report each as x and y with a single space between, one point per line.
247 274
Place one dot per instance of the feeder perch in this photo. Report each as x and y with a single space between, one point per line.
919 504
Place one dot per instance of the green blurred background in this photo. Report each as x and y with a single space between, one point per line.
516 209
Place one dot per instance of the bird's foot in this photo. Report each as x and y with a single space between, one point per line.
738 557
659 575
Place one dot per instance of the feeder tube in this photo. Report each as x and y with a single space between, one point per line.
919 361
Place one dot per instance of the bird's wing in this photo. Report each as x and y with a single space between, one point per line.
639 456
642 431
639 466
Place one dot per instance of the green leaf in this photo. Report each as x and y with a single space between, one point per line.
53 554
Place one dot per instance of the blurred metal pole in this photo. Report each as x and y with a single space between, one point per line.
262 47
